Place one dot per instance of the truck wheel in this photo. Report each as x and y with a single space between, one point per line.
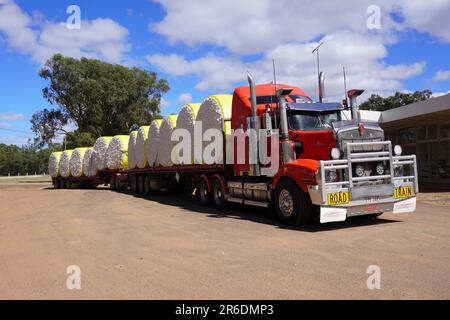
203 194
112 183
140 184
132 182
146 184
218 195
292 206
64 184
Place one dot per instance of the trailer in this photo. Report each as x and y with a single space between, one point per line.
327 167
103 177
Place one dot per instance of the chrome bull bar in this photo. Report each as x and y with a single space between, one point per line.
389 181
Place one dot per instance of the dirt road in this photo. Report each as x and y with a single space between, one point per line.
169 247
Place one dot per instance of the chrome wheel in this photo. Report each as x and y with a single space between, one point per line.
286 203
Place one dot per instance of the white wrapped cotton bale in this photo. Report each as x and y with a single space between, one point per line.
76 163
53 164
100 148
64 164
186 120
87 162
140 150
131 148
165 145
92 170
215 112
153 141
116 156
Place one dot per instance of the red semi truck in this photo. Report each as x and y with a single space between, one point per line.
341 168
329 168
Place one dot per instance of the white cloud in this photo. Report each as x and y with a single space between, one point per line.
5 125
362 56
100 38
185 98
252 26
165 103
11 116
442 75
429 16
13 139
439 94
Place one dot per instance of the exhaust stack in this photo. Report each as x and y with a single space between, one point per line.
286 145
253 123
321 86
353 94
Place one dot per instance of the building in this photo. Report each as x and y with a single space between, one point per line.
423 128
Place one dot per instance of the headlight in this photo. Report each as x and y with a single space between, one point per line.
335 153
331 176
359 170
379 168
398 150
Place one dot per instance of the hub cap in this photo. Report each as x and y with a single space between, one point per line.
286 203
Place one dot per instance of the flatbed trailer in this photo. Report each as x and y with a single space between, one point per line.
103 177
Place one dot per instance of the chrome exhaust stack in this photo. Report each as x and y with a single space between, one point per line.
286 144
353 94
321 87
254 123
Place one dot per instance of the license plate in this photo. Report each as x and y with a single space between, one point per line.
403 192
338 198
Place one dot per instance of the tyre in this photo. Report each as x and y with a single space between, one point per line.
203 194
218 195
132 182
140 184
146 184
118 185
112 183
292 206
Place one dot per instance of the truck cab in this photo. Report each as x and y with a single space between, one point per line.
329 165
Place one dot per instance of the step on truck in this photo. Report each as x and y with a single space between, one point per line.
328 167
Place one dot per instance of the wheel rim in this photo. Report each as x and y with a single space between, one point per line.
218 194
286 203
203 191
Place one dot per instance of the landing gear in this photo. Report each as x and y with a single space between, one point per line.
292 206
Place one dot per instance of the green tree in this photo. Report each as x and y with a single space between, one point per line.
98 97
378 103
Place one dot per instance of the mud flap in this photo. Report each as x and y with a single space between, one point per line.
408 205
332 214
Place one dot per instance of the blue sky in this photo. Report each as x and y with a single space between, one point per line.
205 47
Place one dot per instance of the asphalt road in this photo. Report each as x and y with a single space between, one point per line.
169 247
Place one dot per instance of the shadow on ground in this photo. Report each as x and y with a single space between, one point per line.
190 203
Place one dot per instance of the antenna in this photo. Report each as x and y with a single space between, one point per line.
316 50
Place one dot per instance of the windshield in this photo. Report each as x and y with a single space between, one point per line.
312 120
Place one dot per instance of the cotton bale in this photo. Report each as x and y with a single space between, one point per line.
53 164
64 163
76 162
186 120
116 155
141 148
131 150
153 141
100 148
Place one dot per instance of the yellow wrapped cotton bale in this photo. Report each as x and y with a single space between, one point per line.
153 141
165 145
53 164
140 150
131 150
100 148
87 163
215 112
186 120
77 161
116 155
64 164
